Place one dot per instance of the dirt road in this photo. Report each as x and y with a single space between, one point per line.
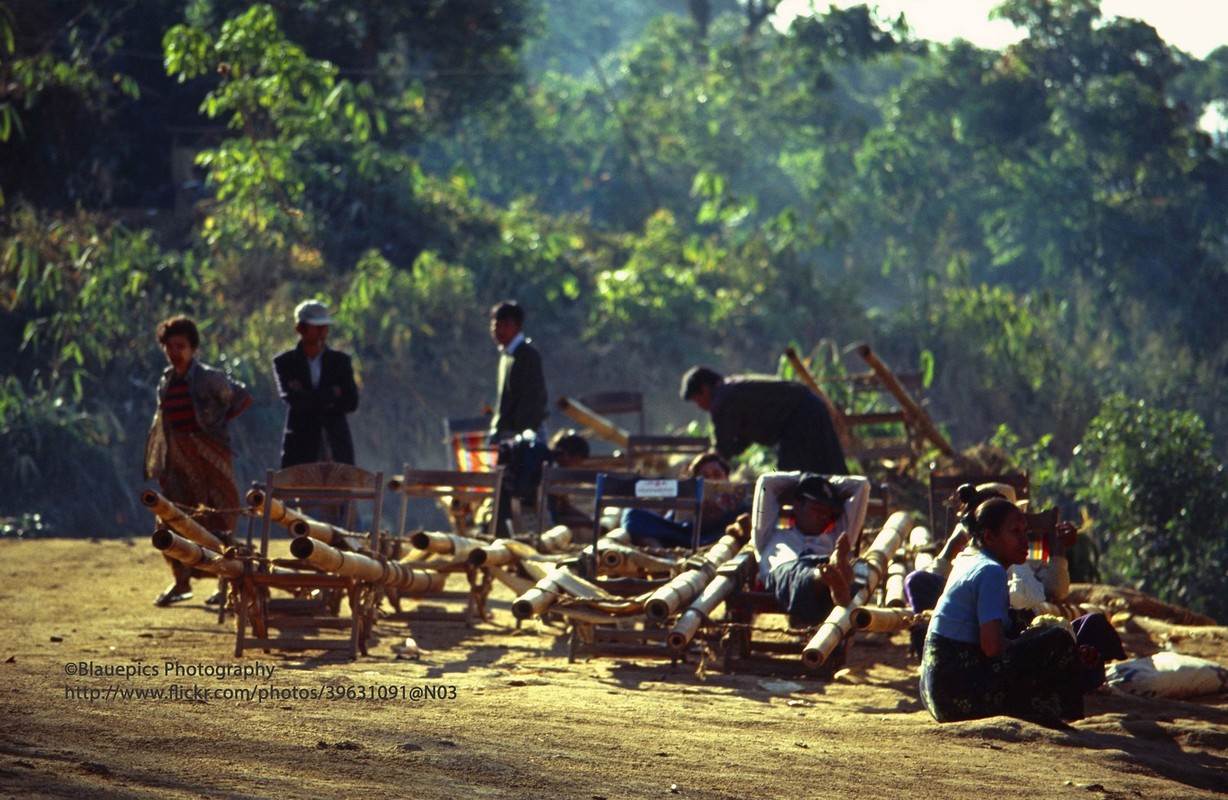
496 712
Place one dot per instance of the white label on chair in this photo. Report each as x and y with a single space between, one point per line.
656 488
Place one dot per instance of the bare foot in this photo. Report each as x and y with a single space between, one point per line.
841 558
831 577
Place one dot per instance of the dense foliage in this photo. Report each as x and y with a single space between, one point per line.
660 184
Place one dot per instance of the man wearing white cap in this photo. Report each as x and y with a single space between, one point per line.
319 389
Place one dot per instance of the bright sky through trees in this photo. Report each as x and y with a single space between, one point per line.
1195 26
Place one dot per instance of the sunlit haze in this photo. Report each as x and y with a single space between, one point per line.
1195 26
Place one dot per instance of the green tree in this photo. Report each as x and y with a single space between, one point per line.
82 298
59 93
428 61
1159 497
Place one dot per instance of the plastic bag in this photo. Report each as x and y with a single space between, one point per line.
1025 588
1167 675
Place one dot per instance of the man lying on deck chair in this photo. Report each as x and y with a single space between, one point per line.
808 567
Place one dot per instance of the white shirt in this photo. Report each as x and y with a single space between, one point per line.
511 346
775 546
314 366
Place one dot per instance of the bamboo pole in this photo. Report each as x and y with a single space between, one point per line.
838 418
180 522
728 577
915 413
546 592
502 552
589 418
893 589
686 587
537 567
511 580
449 544
495 554
678 592
619 559
882 620
556 540
921 547
192 554
301 524
364 568
920 538
871 568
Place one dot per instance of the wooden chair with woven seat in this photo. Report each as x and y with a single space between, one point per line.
747 637
330 491
458 491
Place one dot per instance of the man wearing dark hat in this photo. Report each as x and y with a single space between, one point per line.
808 566
318 386
767 411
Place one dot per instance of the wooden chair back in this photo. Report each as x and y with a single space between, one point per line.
653 454
943 503
455 486
578 484
616 402
329 492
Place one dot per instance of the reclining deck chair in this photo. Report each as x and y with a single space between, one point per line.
751 601
468 444
654 604
642 636
461 490
565 496
317 592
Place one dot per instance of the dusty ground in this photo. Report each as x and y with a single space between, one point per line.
516 719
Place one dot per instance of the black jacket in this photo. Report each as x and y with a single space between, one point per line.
314 412
523 402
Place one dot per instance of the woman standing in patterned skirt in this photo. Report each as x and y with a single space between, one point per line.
188 448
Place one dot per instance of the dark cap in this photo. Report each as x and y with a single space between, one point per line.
818 489
571 444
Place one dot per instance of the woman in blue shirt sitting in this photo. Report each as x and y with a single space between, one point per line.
970 669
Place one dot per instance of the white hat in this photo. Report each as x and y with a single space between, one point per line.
1006 490
312 312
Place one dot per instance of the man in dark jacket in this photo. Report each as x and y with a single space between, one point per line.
319 389
523 402
775 413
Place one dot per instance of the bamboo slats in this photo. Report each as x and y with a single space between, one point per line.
406 580
871 568
194 555
180 522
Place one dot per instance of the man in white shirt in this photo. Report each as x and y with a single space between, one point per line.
808 566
